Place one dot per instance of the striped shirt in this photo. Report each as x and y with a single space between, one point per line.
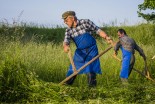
83 26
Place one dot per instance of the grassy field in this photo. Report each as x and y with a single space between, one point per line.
32 64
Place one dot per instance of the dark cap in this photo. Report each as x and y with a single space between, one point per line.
68 13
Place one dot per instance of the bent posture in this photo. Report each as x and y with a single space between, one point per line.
128 47
80 31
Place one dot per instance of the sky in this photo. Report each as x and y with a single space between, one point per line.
49 12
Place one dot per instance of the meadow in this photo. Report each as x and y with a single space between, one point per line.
32 64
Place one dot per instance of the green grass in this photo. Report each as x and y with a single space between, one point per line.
31 70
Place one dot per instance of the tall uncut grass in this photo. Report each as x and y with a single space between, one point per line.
32 63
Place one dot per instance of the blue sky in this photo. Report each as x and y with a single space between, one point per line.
48 12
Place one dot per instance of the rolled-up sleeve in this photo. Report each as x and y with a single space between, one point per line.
67 37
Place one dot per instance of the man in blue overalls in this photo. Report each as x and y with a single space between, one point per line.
80 31
128 47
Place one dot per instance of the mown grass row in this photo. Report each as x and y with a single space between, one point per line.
32 67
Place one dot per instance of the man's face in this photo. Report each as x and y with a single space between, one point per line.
119 34
69 21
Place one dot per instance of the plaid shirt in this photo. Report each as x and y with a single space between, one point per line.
128 44
83 26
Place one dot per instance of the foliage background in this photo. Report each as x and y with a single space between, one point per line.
32 63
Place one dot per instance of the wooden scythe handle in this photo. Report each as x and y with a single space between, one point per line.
77 71
71 60
146 76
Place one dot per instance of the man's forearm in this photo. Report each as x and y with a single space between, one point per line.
66 47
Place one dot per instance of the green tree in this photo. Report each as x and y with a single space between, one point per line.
147 5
